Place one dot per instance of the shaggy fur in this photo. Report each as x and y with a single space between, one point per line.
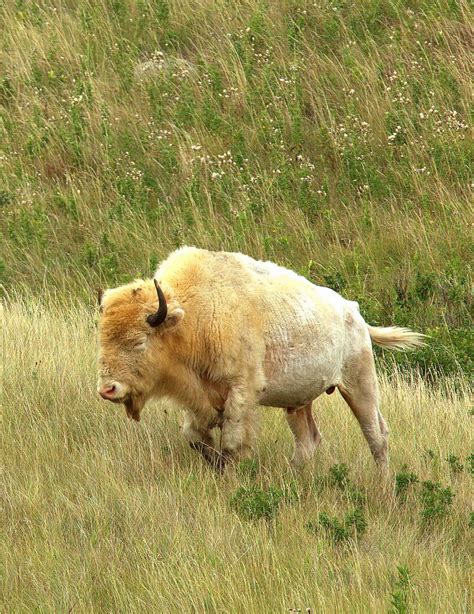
239 333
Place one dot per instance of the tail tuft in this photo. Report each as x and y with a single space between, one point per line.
396 337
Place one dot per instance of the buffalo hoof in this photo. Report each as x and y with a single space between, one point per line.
217 460
221 460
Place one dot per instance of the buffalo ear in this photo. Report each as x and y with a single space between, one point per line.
100 294
173 319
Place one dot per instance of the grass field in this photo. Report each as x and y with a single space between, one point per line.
101 514
331 137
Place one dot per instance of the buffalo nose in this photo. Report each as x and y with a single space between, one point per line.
107 392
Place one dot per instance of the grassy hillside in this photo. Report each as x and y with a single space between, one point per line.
331 137
100 514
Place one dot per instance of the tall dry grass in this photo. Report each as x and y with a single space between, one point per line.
99 514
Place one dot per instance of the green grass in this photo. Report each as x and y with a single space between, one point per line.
331 137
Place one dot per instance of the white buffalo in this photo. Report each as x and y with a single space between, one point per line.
222 333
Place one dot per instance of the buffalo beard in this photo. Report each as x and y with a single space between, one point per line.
133 407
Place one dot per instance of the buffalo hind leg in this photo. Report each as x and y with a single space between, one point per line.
306 433
361 394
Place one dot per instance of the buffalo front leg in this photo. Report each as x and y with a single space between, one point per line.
197 431
306 433
240 423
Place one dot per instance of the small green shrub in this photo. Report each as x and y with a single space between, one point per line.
402 482
339 477
470 463
357 520
354 524
254 503
454 463
333 527
436 502
399 597
5 198
335 281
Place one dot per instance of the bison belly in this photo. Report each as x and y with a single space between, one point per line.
296 378
304 339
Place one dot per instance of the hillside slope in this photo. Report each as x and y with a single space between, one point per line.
331 137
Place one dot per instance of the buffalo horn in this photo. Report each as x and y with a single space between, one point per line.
155 319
